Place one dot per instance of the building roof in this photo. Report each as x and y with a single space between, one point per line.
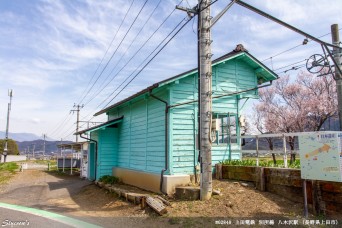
73 145
106 124
265 74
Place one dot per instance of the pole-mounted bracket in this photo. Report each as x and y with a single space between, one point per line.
190 11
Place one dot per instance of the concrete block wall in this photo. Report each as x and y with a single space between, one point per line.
323 197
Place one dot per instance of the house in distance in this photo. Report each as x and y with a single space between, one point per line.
150 138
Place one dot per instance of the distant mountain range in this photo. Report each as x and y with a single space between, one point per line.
28 142
21 137
38 146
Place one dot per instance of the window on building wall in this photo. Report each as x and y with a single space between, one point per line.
223 127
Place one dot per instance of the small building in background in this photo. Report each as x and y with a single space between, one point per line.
74 154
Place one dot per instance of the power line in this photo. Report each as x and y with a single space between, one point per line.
122 21
290 65
146 41
117 31
146 59
103 85
61 124
142 62
282 52
139 50
149 61
110 59
297 67
290 49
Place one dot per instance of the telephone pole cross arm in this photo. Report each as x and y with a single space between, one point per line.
77 110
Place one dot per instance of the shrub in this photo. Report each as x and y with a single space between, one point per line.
262 163
107 179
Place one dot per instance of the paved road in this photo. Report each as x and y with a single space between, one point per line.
19 216
34 188
42 191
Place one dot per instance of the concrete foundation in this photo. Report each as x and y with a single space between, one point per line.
150 181
170 182
142 180
188 193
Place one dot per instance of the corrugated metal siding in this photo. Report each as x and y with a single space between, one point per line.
107 150
141 135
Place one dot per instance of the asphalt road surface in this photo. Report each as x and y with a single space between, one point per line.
39 191
15 217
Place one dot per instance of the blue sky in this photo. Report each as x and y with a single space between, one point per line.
50 49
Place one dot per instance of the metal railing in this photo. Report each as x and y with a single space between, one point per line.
277 135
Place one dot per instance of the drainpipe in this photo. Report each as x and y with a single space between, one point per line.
92 140
166 140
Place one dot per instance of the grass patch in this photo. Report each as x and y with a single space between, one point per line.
8 166
7 170
58 172
262 163
45 162
109 179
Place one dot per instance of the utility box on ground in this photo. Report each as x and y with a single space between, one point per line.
321 156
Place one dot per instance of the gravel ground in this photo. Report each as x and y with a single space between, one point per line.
81 199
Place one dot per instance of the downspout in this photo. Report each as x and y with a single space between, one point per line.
166 140
92 140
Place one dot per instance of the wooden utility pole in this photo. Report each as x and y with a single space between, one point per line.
205 109
34 147
337 56
61 146
44 136
77 110
7 125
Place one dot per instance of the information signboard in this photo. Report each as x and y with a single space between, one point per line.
321 156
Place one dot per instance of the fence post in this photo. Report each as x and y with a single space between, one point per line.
285 155
71 165
63 162
305 199
257 150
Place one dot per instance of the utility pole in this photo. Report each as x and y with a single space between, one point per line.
61 146
77 110
10 93
205 106
34 146
204 92
337 56
44 136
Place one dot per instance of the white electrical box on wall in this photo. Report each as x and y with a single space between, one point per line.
215 124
